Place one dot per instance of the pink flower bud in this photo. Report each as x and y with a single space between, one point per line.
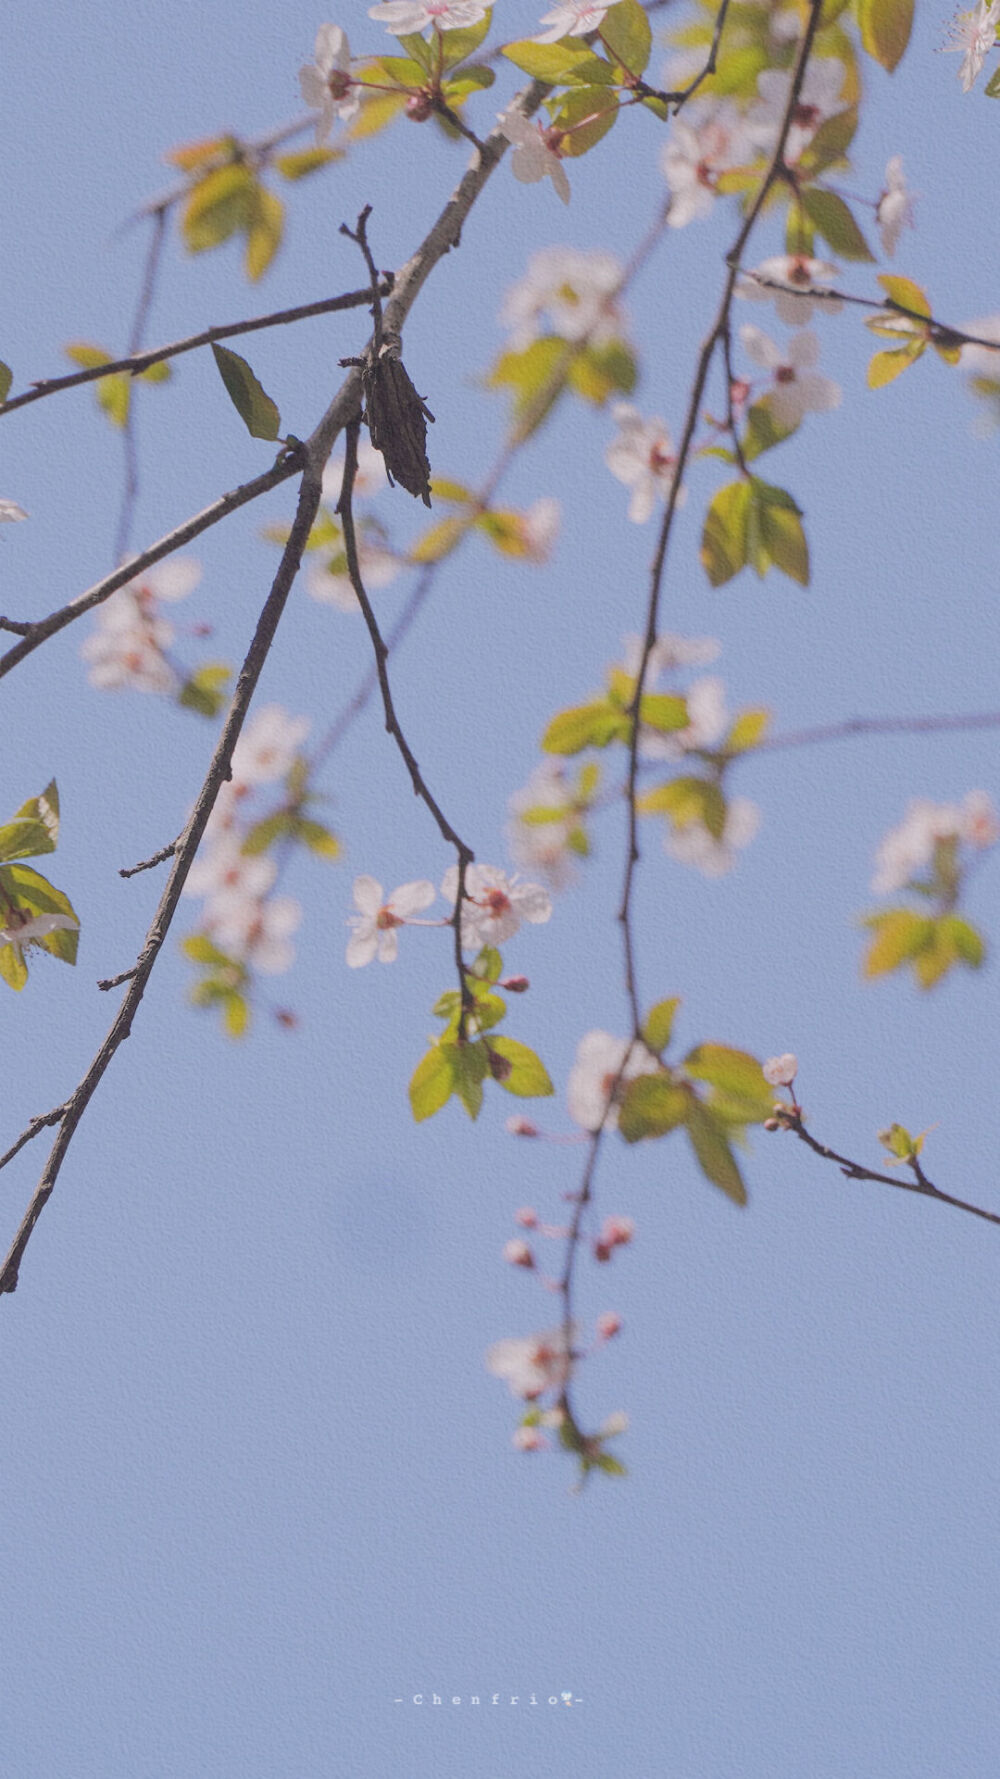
527 1218
528 1439
419 108
515 985
608 1325
518 1254
522 1127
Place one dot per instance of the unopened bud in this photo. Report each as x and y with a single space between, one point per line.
528 1439
515 985
518 1254
522 1127
608 1324
772 1124
419 107
527 1218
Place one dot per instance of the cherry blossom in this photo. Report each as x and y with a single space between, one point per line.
983 361
518 1253
495 904
21 928
571 18
268 746
796 388
528 1439
328 581
129 646
780 1071
973 34
670 652
258 932
572 290
402 17
616 1232
819 98
909 848
708 720
375 925
792 273
980 826
533 1363
696 154
599 1060
326 83
534 155
642 456
608 1324
544 846
9 511
694 845
894 210
223 871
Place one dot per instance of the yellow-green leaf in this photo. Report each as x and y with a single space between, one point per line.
627 35
528 1077
587 725
659 1025
303 161
724 538
6 379
835 223
256 409
899 934
586 113
652 1106
265 224
218 206
559 64
885 28
713 1153
904 292
738 1077
885 367
205 691
432 1082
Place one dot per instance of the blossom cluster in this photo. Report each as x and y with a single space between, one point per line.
912 846
494 907
131 645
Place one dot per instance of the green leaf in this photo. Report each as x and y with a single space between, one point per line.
597 372
907 294
88 357
255 408
688 802
559 64
470 1063
457 492
992 87
724 539
713 1153
218 206
585 114
13 968
436 542
29 891
528 1077
537 375
457 45
114 396
968 942
433 1081
831 142
487 965
900 935
666 712
423 52
627 35
160 372
35 827
885 28
784 540
835 223
235 1014
316 838
303 161
205 691
588 725
763 430
264 228
736 1075
652 1106
6 379
885 367
748 731
659 1025
200 949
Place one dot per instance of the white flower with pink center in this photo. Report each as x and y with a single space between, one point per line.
643 457
495 905
129 646
599 1063
326 83
973 34
573 291
535 156
258 933
268 746
379 917
797 388
530 1364
795 283
819 98
894 210
571 18
403 17
696 154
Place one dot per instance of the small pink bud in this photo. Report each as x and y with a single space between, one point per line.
772 1124
518 1254
419 108
616 1231
528 1439
608 1325
527 1218
522 1127
515 985
285 1017
780 1071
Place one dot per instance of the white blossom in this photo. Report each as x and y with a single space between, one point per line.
792 273
780 1071
268 745
533 1363
670 652
797 389
540 528
980 825
973 35
129 646
909 847
694 845
495 905
572 290
819 98
9 511
543 846
258 933
983 361
330 584
894 210
571 18
599 1059
24 930
642 456
533 158
326 84
375 925
694 156
222 870
402 17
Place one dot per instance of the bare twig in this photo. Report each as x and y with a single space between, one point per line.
165 852
790 1118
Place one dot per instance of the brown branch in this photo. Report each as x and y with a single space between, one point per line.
943 331
790 1118
851 726
165 852
136 362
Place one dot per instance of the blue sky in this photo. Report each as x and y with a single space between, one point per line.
258 1482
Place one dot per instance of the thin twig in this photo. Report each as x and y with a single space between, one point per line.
942 331
136 362
165 852
791 1119
147 289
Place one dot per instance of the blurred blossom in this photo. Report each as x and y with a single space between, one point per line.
670 652
325 83
643 457
129 646
780 1071
571 291
909 848
696 153
544 845
796 388
328 581
258 933
819 98
268 746
10 511
894 210
792 273
599 1060
369 479
695 846
534 156
571 18
532 1363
